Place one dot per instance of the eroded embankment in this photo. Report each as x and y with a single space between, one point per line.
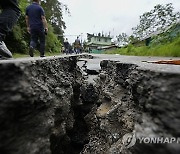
48 106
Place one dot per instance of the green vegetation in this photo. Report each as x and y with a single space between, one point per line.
36 54
18 40
166 43
159 18
158 34
171 49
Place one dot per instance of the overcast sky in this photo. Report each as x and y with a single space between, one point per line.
114 16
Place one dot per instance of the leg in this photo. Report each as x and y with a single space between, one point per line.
13 4
8 17
76 50
33 43
67 50
42 43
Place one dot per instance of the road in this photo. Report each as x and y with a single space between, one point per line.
141 61
94 64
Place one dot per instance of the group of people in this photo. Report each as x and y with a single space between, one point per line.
36 23
75 48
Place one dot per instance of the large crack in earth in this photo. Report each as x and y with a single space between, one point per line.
82 105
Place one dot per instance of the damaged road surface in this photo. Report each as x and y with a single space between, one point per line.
103 104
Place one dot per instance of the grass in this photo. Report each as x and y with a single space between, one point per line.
18 55
171 49
36 54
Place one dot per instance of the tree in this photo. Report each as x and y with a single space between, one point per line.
157 19
122 39
54 10
20 38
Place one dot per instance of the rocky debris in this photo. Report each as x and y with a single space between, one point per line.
133 100
89 69
75 105
38 106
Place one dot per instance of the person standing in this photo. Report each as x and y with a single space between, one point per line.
37 27
8 17
66 46
77 45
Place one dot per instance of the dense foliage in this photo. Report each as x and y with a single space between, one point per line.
170 49
18 40
54 11
164 44
150 23
158 19
157 34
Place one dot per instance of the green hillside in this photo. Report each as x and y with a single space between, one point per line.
164 44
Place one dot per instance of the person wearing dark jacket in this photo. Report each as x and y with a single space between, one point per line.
8 17
37 26
66 46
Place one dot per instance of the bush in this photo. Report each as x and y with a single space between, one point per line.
170 49
18 40
52 42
